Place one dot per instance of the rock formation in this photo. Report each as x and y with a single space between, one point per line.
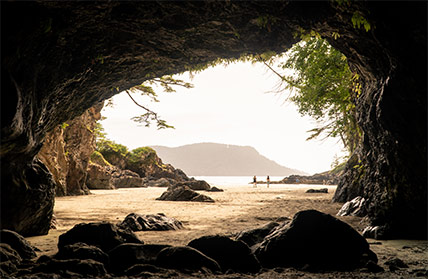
61 58
67 150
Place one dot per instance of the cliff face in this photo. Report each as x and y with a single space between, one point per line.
60 58
66 152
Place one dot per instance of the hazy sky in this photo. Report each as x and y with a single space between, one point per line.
230 105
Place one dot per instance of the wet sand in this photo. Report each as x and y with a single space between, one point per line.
234 210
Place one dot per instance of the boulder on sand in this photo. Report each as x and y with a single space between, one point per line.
257 235
186 259
183 193
126 255
104 235
196 185
18 243
315 241
323 190
82 251
151 222
354 207
230 254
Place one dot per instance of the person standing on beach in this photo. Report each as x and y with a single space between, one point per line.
267 181
255 181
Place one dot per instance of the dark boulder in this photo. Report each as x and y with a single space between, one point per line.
18 243
323 190
254 236
126 255
148 270
195 185
316 241
161 182
395 264
27 198
215 189
104 235
82 251
9 260
70 268
186 259
150 222
126 179
183 193
376 232
230 254
354 207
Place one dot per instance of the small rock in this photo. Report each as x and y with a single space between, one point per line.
150 222
395 264
372 267
354 207
161 182
195 185
215 189
183 193
323 190
376 232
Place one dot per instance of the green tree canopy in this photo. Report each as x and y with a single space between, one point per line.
323 87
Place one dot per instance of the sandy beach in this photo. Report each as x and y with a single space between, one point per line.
234 210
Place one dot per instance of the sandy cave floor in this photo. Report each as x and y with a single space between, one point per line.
234 210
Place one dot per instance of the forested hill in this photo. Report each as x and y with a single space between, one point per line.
213 159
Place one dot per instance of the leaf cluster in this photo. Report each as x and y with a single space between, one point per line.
323 88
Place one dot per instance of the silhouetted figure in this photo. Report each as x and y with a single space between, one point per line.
267 181
255 181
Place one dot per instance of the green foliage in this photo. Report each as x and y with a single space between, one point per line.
141 156
110 150
324 88
64 125
266 21
359 21
167 83
98 158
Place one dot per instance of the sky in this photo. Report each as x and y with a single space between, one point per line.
230 105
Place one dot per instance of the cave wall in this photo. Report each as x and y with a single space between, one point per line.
60 58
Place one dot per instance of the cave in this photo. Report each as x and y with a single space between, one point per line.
61 58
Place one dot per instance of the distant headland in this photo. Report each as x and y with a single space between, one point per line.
214 159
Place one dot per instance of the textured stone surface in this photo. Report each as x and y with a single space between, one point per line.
61 58
150 222
128 254
104 235
18 243
183 193
231 255
314 241
66 152
186 259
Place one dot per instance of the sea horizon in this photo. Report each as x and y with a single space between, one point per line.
244 181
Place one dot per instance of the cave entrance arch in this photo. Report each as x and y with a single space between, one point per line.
58 59
232 104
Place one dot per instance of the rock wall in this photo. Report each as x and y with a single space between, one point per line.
66 152
60 58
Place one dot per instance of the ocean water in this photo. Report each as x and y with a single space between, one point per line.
246 181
